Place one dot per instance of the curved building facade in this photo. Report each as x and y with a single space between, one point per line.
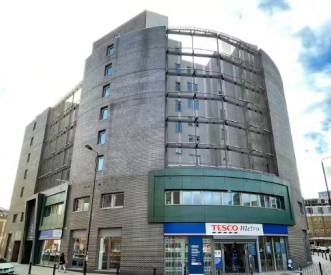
195 165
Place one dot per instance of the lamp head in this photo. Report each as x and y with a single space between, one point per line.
88 147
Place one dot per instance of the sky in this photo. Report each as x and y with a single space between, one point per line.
44 44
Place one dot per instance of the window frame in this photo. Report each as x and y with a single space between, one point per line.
98 163
25 174
76 203
22 217
178 104
178 127
112 200
109 66
104 88
102 110
110 49
22 192
14 218
34 125
31 141
178 87
28 158
100 134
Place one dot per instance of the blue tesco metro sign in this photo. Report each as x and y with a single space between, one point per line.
195 255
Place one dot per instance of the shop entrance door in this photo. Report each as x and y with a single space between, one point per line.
237 257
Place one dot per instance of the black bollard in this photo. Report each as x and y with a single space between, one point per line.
184 270
251 268
30 266
322 255
154 270
320 268
300 269
54 268
118 270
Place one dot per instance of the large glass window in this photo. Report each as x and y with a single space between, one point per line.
78 252
109 253
81 204
55 209
222 198
50 253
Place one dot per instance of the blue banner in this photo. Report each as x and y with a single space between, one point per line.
195 255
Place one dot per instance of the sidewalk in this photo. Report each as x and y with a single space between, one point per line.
317 259
21 269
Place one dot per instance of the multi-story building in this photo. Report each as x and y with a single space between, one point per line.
318 213
3 219
193 150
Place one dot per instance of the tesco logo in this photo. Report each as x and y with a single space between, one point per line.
224 229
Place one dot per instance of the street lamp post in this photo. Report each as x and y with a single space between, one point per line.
91 207
326 181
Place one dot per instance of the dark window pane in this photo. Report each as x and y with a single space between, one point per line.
119 199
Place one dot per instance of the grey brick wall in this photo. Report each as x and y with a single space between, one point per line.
285 157
17 205
135 131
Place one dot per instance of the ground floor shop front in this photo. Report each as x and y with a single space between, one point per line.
224 248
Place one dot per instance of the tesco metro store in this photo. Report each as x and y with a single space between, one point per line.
221 221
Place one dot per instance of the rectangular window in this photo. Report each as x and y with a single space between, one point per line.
106 90
254 199
187 197
34 125
82 204
273 202
168 198
22 217
14 218
31 141
176 197
22 192
28 158
178 106
102 137
217 198
190 103
236 198
207 198
112 200
100 163
178 150
227 198
108 69
196 197
178 127
189 86
196 88
104 113
25 174
197 105
110 49
245 200
178 88
177 68
320 209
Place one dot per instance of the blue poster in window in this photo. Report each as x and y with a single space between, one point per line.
218 262
277 248
195 255
252 249
268 248
235 258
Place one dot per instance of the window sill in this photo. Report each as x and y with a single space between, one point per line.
80 211
117 207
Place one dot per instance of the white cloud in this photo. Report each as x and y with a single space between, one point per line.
44 45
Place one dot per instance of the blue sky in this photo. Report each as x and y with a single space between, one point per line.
44 45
